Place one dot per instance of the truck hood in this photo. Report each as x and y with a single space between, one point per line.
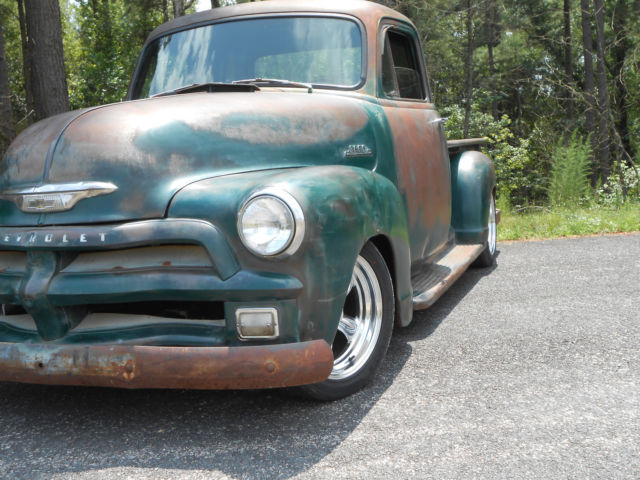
150 149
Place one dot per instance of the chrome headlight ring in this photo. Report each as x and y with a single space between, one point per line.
291 208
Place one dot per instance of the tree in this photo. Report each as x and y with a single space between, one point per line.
492 40
624 72
26 61
468 66
7 130
589 81
568 57
604 106
46 74
541 63
165 10
180 7
105 40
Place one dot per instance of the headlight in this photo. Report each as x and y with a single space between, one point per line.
271 223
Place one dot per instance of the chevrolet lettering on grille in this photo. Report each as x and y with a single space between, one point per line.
52 239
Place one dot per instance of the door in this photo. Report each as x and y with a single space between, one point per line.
422 159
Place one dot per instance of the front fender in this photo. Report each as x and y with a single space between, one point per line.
343 206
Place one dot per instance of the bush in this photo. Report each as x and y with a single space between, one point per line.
570 171
611 192
516 175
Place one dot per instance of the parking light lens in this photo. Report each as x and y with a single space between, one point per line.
257 323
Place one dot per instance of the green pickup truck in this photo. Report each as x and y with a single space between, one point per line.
275 193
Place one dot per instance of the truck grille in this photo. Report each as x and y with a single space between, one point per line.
98 293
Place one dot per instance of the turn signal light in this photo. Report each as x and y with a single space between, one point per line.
257 323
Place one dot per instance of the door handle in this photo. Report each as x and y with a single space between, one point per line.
439 120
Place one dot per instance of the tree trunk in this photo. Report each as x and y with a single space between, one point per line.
493 40
165 10
492 84
178 8
568 62
604 107
621 47
7 130
47 77
468 70
589 84
215 3
108 25
181 6
26 61
106 43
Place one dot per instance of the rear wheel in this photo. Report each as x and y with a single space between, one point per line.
364 330
488 256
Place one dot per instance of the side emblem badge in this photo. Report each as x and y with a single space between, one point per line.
354 151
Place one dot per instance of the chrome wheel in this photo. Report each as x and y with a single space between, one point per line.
493 230
360 323
364 328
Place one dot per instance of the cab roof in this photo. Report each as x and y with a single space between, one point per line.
367 12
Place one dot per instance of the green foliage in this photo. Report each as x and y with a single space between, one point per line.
523 79
480 125
570 171
515 169
624 180
13 51
104 40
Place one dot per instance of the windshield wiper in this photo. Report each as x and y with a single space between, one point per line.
212 87
274 81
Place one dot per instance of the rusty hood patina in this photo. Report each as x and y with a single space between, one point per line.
152 148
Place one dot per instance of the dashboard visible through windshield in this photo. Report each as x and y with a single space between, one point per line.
321 51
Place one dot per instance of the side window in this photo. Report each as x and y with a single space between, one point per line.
400 68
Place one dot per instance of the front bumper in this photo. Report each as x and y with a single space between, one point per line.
111 305
268 366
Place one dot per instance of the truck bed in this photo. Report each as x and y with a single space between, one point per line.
466 143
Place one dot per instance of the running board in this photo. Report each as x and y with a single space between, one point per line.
431 280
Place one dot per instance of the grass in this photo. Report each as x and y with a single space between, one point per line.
539 222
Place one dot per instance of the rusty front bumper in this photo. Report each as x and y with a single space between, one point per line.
124 366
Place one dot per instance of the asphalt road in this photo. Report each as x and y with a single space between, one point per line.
528 370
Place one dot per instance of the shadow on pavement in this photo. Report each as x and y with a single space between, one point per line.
245 434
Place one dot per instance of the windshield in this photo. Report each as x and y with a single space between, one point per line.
315 50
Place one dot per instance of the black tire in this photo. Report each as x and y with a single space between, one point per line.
488 256
357 356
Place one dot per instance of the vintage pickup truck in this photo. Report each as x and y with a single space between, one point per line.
275 193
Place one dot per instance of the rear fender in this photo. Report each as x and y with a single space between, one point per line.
472 183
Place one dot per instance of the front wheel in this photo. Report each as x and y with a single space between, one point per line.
488 256
364 329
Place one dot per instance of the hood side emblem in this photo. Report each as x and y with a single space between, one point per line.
354 151
55 197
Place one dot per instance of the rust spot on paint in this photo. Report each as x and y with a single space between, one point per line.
129 371
423 170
